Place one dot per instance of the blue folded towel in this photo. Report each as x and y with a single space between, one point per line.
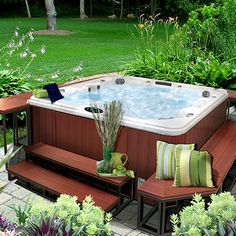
54 93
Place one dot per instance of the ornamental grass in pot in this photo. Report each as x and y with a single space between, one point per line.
108 125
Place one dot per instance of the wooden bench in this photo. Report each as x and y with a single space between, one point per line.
222 147
64 172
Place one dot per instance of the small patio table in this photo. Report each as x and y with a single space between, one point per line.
12 106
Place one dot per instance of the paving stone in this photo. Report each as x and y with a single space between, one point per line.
135 232
4 198
119 228
131 223
143 234
21 193
125 215
2 182
3 176
4 209
132 207
11 188
16 202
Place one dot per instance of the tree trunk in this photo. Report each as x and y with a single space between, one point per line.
121 8
27 8
82 11
51 14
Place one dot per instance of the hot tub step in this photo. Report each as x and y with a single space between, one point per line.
59 184
72 161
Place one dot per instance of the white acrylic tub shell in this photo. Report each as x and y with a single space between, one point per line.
183 122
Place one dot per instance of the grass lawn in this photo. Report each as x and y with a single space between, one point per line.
101 45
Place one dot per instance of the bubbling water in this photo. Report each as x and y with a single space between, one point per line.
139 100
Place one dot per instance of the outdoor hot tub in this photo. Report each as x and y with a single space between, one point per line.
154 110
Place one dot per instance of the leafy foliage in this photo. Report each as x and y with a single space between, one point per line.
212 28
10 154
66 218
202 51
11 84
22 213
51 227
197 220
5 225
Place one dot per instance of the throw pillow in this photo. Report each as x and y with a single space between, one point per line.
165 158
193 168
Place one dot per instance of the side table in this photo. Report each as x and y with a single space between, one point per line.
12 106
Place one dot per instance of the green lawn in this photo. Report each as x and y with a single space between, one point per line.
102 45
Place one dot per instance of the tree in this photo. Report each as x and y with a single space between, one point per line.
82 11
27 8
51 14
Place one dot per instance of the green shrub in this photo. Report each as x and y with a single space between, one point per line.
212 28
88 220
197 220
202 51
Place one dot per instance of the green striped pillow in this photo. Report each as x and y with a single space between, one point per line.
165 158
193 168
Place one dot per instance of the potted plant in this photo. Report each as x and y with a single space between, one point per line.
108 125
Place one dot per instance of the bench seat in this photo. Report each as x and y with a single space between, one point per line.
222 147
163 190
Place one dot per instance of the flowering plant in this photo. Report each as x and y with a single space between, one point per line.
15 58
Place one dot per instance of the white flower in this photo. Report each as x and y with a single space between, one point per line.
8 64
77 69
55 76
43 50
31 37
20 44
10 45
40 79
33 55
16 34
23 55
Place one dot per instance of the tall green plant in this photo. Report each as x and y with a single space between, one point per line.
108 122
10 154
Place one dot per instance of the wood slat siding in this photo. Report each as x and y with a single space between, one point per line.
79 135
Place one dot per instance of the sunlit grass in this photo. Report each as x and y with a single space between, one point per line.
101 45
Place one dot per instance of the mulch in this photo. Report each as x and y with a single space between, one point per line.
53 32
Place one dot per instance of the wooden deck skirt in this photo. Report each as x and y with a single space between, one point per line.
78 134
